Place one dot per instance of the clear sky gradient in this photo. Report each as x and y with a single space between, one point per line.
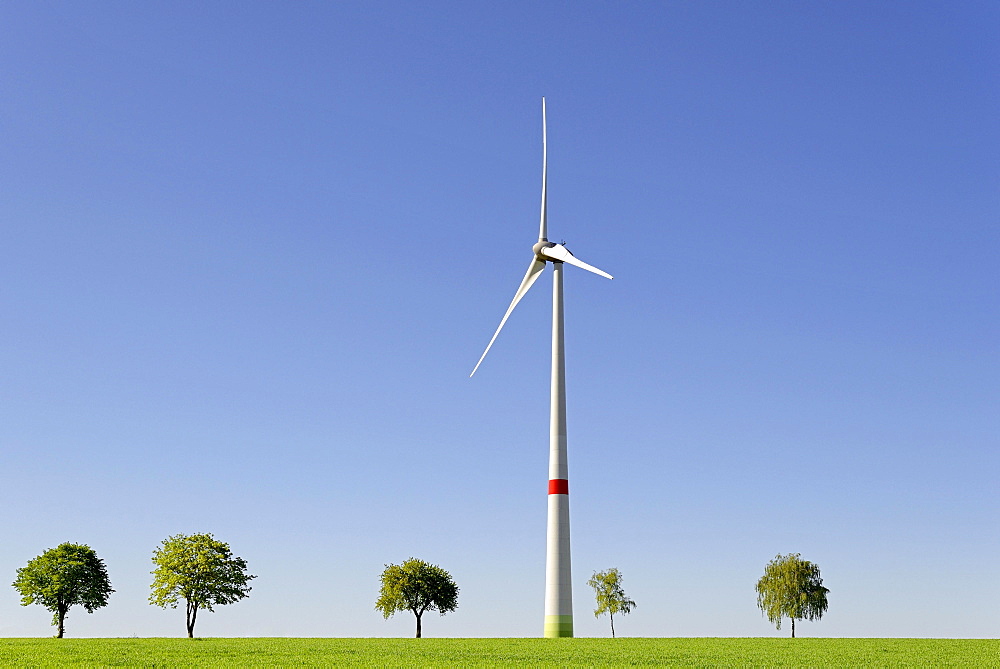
250 252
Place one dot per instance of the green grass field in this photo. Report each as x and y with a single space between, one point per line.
499 652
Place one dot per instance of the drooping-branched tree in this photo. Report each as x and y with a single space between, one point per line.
791 588
416 586
611 599
61 577
200 570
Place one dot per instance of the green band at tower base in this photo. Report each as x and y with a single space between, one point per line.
558 626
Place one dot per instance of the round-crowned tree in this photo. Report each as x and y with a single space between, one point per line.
201 571
64 576
416 586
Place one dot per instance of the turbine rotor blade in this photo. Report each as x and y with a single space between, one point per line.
543 224
562 254
534 271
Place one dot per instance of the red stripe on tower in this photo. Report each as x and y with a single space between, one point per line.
558 486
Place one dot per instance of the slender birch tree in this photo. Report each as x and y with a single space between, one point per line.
611 599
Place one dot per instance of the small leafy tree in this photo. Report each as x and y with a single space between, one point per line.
791 588
61 577
200 570
611 599
416 586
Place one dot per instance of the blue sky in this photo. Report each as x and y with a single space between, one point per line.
251 252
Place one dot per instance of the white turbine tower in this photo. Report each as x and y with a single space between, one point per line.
558 582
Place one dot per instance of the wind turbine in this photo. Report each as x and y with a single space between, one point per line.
558 582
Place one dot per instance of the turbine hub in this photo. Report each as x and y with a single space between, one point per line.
537 248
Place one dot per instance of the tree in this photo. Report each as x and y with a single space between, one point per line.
611 599
201 571
791 588
416 586
61 577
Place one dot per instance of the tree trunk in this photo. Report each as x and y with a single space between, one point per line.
62 617
612 625
418 624
192 616
793 628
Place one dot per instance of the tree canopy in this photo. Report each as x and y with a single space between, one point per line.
791 588
200 570
416 586
611 599
61 577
